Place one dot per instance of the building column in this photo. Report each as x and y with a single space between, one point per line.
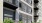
1 11
29 19
17 17
24 18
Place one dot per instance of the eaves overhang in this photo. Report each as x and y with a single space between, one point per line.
8 5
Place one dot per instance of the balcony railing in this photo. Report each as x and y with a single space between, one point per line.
27 10
12 2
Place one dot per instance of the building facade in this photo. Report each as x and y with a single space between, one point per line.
39 11
19 9
25 9
9 8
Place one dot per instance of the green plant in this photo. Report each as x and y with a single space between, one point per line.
20 22
8 21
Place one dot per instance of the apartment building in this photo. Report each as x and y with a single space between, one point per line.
39 11
19 9
35 10
25 9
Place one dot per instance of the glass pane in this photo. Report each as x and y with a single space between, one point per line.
20 4
7 13
20 18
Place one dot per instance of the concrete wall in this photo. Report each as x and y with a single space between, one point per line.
1 11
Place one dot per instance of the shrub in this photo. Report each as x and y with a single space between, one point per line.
8 21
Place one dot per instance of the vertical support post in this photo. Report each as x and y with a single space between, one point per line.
29 19
32 10
23 15
17 17
24 18
17 12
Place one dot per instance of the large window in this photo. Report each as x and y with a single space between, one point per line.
7 13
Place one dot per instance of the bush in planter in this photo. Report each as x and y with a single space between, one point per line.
8 21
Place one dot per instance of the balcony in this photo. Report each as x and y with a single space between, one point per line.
27 11
25 7
9 5
27 2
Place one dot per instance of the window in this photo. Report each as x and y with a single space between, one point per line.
13 1
20 5
14 15
9 1
5 0
31 11
36 1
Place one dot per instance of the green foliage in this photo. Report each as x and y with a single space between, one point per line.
8 21
20 22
